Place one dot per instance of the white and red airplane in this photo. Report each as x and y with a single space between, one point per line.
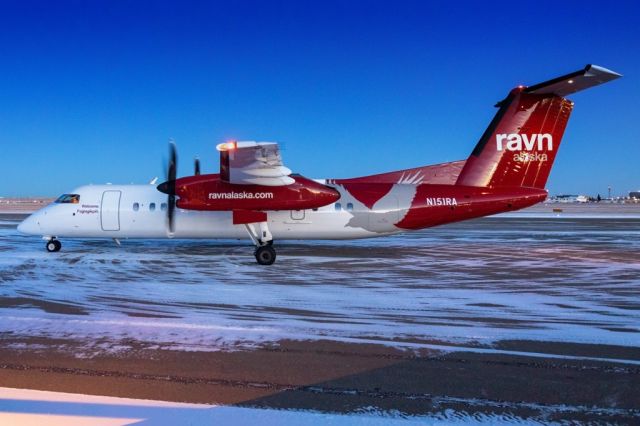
255 195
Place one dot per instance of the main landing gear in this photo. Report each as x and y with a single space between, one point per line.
261 236
265 255
53 245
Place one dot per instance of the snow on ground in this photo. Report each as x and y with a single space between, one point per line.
21 407
25 407
475 282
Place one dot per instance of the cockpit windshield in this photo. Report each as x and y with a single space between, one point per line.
68 199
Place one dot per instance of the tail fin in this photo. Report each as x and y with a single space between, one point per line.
520 144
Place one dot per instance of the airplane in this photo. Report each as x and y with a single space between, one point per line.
255 195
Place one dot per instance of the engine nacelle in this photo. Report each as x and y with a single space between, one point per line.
209 192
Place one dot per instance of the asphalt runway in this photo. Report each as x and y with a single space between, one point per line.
511 320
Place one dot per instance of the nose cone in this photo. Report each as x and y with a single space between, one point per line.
30 226
164 187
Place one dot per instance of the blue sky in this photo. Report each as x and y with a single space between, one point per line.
90 92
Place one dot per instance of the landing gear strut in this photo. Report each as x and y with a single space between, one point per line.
53 245
261 236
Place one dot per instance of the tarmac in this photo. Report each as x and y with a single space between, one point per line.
525 318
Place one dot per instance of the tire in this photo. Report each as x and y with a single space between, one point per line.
265 255
52 246
58 245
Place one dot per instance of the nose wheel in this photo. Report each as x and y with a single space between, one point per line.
53 245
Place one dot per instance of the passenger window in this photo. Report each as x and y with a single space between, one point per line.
152 207
136 207
163 207
349 207
338 207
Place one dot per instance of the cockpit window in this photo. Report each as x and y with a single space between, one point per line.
68 199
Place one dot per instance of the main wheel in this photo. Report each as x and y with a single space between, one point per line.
53 245
265 255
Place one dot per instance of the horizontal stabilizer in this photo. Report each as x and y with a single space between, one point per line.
591 75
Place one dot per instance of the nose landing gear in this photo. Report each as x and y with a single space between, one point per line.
53 245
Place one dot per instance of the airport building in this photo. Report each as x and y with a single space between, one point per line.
566 198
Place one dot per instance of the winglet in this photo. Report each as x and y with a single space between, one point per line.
591 75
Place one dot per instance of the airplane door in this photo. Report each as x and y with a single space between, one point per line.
110 211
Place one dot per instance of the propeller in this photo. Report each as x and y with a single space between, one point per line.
196 166
171 178
169 187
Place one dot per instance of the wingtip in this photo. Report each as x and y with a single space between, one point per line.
590 68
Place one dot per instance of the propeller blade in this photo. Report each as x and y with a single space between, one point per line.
197 166
170 186
171 212
173 160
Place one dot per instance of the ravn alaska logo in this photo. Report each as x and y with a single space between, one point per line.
518 143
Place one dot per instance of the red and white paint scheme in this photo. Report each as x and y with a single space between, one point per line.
255 195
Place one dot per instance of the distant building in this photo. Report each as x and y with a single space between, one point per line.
635 194
566 198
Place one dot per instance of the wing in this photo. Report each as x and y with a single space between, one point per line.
253 163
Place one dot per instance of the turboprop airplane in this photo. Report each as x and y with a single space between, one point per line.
255 195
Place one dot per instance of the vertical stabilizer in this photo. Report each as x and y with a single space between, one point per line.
521 143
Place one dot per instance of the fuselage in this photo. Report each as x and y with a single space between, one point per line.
363 210
139 211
